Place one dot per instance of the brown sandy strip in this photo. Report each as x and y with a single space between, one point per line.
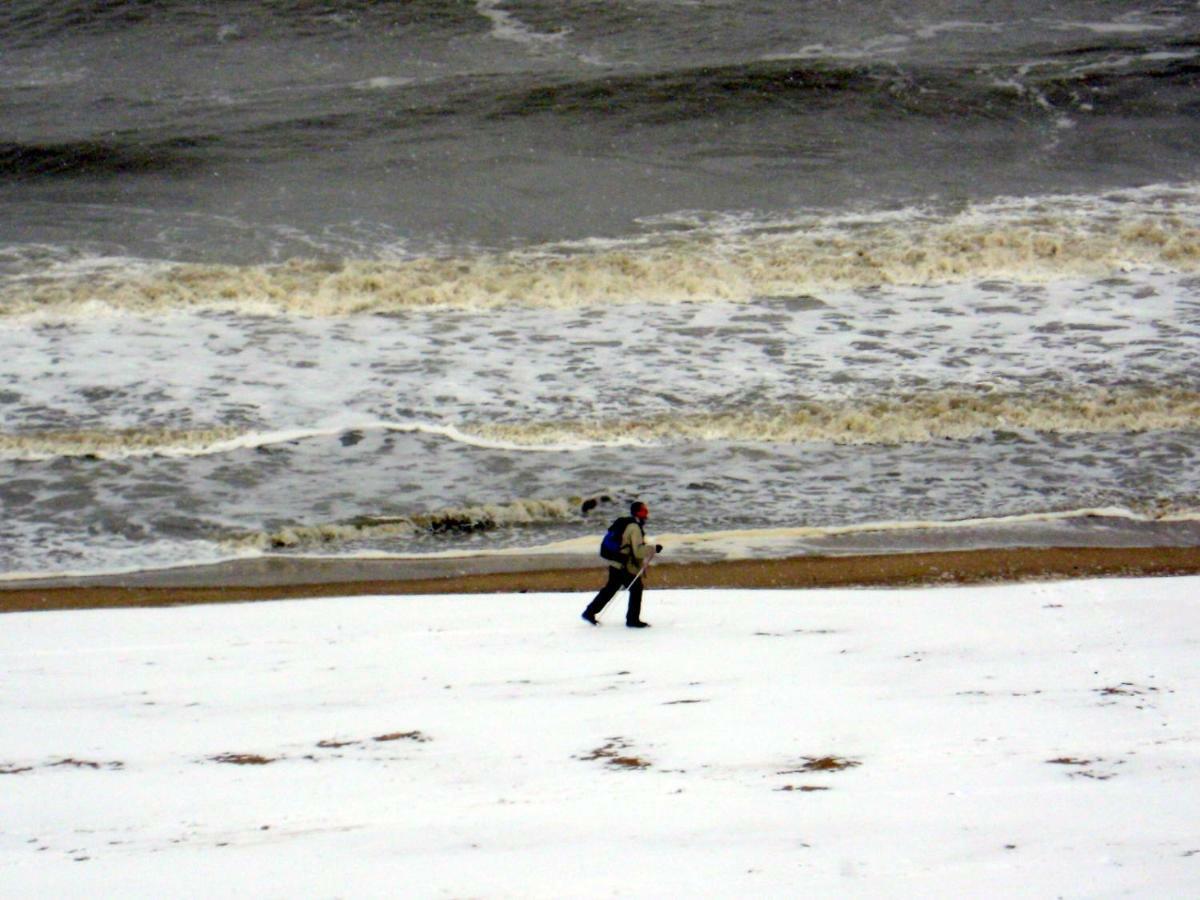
888 570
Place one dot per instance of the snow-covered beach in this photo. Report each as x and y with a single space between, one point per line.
1035 739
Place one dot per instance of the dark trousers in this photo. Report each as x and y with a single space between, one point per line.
617 579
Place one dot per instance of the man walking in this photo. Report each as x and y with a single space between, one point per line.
635 553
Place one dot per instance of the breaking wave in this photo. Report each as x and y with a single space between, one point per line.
736 262
454 521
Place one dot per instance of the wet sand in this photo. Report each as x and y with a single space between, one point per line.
273 579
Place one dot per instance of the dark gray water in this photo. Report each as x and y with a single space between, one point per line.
247 131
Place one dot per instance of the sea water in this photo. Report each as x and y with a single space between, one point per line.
346 278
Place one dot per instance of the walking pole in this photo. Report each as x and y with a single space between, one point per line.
625 587
635 577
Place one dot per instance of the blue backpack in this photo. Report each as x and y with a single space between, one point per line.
610 545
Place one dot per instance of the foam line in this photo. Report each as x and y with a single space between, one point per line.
920 418
132 443
742 538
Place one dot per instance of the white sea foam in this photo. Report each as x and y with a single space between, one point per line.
936 30
382 83
507 27
1122 26
100 560
27 77
873 367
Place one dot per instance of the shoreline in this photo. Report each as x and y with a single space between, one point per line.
281 578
